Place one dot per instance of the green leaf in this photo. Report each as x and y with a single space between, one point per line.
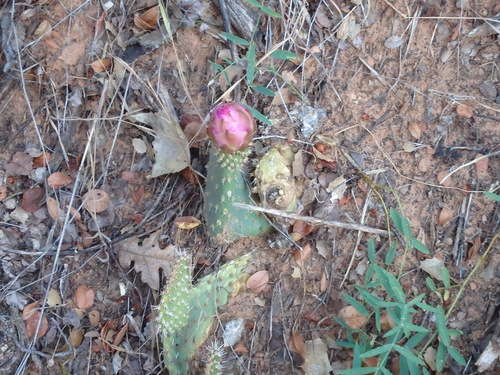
396 218
455 332
419 246
259 116
391 253
426 307
377 320
441 326
263 90
426 372
391 285
251 63
356 304
416 328
417 299
359 371
235 39
455 354
221 69
445 275
430 284
345 344
263 8
370 299
416 339
342 323
493 196
284 55
356 358
409 355
377 351
371 251
440 356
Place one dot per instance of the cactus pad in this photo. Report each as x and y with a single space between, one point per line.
182 335
226 185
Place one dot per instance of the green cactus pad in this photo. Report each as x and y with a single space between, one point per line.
214 359
183 335
226 185
173 313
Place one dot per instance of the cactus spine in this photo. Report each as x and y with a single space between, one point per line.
186 313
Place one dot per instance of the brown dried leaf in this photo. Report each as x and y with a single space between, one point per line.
52 43
301 256
258 281
43 30
119 336
101 65
240 348
352 317
441 175
32 198
54 298
317 361
148 257
84 297
300 230
148 20
96 200
21 165
323 283
75 337
3 192
415 130
187 222
94 317
130 176
464 111
31 316
298 345
445 215
58 179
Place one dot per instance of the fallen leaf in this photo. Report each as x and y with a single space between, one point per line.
139 145
32 198
43 30
21 165
53 298
31 316
337 188
84 297
96 200
138 195
3 192
489 356
94 317
323 283
415 130
317 361
52 43
297 273
352 317
445 215
58 179
101 65
148 20
147 256
434 267
386 322
170 146
464 111
393 42
120 334
258 281
298 345
129 176
75 337
488 90
349 28
187 222
300 230
430 357
301 256
190 175
240 348
42 160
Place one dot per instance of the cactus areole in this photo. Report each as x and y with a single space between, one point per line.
231 129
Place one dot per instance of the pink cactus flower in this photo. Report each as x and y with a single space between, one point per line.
231 127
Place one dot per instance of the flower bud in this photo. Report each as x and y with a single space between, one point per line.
231 127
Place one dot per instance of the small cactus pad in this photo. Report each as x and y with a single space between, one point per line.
214 359
183 335
226 185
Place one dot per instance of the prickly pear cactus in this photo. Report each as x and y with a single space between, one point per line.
214 360
226 185
182 335
173 313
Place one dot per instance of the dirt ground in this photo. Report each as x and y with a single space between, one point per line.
399 93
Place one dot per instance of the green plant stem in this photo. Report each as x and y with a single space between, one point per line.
462 289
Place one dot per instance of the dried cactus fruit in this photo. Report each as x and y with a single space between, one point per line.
275 183
186 313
